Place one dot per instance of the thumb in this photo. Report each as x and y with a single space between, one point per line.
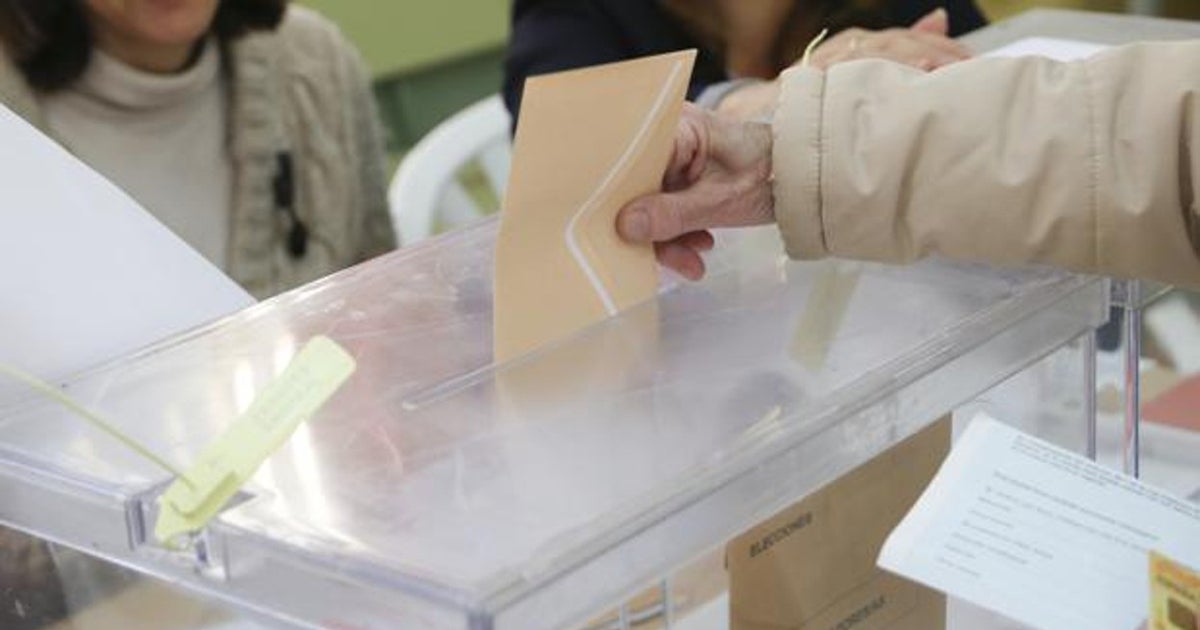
664 216
936 21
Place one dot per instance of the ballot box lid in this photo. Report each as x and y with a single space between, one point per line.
439 489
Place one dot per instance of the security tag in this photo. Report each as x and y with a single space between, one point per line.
308 381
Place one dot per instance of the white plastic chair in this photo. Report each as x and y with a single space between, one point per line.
425 192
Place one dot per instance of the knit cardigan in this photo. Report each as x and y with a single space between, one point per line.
301 89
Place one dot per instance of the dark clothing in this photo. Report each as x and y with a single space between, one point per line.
552 35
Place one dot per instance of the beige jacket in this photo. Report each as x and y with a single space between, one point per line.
1090 165
300 89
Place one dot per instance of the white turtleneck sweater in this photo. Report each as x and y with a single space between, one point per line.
161 138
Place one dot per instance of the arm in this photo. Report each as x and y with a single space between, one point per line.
1089 166
924 44
1086 165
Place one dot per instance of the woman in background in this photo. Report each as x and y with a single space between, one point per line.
248 127
245 126
743 44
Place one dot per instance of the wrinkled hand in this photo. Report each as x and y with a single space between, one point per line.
925 45
719 176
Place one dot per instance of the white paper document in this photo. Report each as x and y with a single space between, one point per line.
1053 48
1040 534
86 275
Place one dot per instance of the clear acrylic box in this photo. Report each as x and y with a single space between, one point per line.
440 491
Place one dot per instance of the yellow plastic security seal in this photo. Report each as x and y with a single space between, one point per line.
309 380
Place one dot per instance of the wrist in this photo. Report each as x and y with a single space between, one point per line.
751 100
761 137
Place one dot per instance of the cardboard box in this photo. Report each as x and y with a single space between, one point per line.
812 566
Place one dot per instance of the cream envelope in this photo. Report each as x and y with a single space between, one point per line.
588 142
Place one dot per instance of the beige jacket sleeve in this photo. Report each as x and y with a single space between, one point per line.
1089 165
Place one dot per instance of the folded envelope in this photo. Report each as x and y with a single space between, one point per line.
588 142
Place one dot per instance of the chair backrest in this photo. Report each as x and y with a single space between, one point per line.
426 193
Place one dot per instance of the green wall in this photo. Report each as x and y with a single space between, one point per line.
404 36
430 58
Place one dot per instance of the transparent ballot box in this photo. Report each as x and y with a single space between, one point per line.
437 490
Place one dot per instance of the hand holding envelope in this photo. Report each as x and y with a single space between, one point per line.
719 176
